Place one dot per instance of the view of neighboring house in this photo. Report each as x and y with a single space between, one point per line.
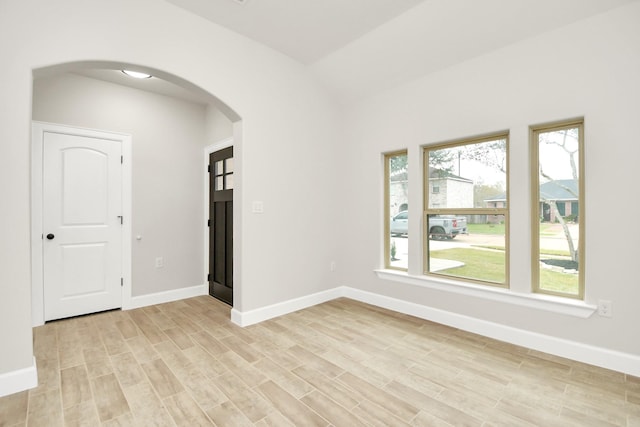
562 192
447 190
398 192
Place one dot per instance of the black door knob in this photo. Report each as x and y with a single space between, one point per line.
50 236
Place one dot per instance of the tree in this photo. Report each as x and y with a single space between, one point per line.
398 164
491 153
482 192
441 160
568 143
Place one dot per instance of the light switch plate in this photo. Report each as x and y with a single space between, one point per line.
257 207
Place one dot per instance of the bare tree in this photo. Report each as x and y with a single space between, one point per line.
572 151
492 154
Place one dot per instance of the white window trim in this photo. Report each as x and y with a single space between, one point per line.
567 306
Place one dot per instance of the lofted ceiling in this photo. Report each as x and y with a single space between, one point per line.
357 48
305 30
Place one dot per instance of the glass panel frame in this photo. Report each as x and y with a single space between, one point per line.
465 202
557 179
219 183
219 167
228 165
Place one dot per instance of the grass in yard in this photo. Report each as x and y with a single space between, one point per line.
556 281
555 252
485 229
543 251
489 266
479 264
546 229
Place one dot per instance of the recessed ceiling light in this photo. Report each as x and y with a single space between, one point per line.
136 74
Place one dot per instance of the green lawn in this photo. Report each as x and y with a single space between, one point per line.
489 266
558 282
485 229
479 264
543 251
545 229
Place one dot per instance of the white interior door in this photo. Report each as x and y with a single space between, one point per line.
82 224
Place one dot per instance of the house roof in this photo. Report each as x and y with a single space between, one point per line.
561 189
435 173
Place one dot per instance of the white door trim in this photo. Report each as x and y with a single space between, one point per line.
37 276
216 146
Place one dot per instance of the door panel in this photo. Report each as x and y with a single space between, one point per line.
221 171
83 269
82 204
85 187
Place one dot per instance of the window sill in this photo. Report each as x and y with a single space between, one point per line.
537 301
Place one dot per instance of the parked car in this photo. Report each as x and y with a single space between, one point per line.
441 227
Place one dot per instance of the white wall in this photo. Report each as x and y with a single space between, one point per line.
588 69
218 127
167 167
285 157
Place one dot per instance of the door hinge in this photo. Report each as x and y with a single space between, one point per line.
121 159
208 223
121 281
209 168
208 277
120 216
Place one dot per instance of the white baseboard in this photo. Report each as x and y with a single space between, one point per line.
246 318
167 296
598 356
20 380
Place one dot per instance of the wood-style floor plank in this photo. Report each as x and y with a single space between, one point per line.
341 363
108 397
296 411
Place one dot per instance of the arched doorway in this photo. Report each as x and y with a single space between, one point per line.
166 259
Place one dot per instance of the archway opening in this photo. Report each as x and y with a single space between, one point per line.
172 121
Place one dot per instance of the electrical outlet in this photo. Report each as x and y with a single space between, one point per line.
605 308
159 262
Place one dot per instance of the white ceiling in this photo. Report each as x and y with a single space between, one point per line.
438 34
360 47
305 30
155 85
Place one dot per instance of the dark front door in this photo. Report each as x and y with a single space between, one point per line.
221 225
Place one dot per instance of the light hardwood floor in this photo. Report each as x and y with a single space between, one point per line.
342 363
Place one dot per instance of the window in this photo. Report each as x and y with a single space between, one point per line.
558 213
466 221
396 211
436 189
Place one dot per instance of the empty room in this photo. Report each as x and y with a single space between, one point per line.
273 212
